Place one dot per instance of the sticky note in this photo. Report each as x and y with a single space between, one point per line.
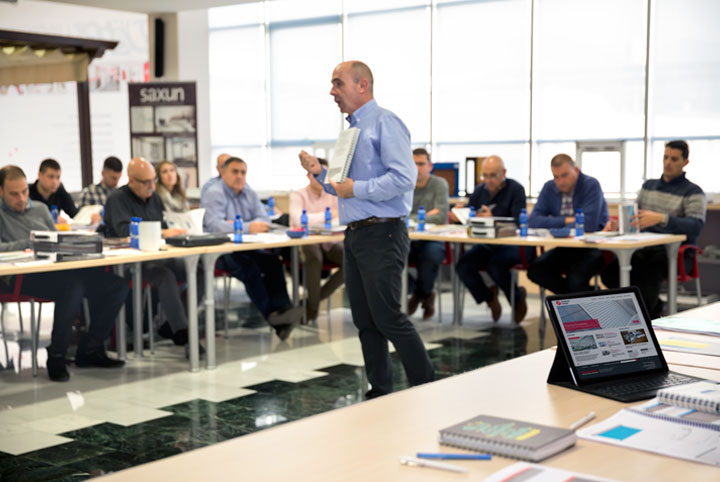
620 432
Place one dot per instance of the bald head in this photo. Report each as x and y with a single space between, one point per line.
352 85
493 173
141 177
221 162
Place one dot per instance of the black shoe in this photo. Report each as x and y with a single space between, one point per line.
201 351
98 359
283 331
57 371
165 331
180 337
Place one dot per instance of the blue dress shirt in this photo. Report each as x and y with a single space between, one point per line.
222 204
382 168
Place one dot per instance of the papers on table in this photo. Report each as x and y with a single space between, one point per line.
688 325
84 215
527 472
658 428
687 345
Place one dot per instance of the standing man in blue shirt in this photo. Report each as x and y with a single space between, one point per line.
374 200
568 270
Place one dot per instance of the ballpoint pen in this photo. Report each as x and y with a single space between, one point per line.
582 421
443 456
429 463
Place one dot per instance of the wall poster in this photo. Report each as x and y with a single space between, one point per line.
163 125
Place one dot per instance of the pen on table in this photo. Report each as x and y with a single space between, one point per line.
429 463
442 456
582 421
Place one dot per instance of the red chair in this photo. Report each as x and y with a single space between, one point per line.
694 273
17 297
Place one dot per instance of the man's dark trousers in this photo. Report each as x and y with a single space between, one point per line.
104 291
375 256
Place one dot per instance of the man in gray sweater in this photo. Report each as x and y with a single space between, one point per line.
104 291
431 192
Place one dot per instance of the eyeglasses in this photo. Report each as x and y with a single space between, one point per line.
492 175
146 182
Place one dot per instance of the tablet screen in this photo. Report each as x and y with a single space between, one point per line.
606 334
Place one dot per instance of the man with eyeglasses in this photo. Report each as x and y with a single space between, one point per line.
139 199
568 270
498 196
431 192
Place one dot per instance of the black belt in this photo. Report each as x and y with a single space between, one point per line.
370 221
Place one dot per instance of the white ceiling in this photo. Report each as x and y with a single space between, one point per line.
152 6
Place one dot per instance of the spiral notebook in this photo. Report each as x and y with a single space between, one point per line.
511 438
702 396
662 429
339 164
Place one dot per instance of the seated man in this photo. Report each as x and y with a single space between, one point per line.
496 196
139 199
556 206
260 271
672 205
49 190
315 201
431 192
98 193
220 163
104 291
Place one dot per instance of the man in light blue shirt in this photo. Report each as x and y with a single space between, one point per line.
260 271
374 201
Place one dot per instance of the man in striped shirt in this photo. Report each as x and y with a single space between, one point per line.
671 205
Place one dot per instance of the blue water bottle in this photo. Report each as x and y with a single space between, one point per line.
304 221
54 213
523 220
473 212
421 218
579 223
135 232
328 218
271 206
238 229
102 216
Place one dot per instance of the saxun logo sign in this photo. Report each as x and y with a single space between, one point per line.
163 94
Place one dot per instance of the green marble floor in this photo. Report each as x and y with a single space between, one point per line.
108 447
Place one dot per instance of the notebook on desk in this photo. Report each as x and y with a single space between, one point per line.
607 347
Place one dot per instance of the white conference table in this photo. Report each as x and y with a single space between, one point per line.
622 247
364 441
190 257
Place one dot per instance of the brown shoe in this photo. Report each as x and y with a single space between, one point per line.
429 306
521 306
413 303
494 304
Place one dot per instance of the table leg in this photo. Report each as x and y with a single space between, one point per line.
457 314
624 256
191 263
295 270
672 253
137 308
209 260
120 326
